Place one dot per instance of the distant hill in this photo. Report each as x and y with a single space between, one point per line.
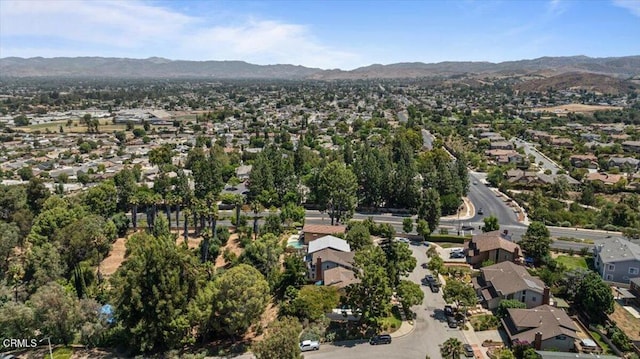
153 67
589 82
620 67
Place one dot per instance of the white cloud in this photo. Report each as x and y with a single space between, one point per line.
134 29
632 5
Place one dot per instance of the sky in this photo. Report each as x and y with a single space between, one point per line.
326 34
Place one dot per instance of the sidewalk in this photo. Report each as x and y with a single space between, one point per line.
468 211
405 329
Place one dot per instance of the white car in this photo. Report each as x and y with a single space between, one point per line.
454 250
402 239
308 345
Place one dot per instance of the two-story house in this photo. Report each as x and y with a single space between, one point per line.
330 261
617 260
508 280
544 327
493 246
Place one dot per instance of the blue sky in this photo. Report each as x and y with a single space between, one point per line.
325 34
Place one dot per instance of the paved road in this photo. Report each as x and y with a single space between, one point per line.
530 149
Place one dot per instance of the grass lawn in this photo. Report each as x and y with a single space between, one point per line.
62 353
391 323
572 262
449 245
605 347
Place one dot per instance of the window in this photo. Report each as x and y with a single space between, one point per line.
609 277
611 267
633 270
533 299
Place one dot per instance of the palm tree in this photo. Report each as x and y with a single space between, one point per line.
134 201
451 348
257 208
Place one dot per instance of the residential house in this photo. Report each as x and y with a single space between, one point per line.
543 354
545 327
315 231
584 161
562 142
617 260
631 146
629 163
508 280
243 172
606 178
501 145
328 258
325 242
495 246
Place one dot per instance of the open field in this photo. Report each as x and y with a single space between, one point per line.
106 126
577 108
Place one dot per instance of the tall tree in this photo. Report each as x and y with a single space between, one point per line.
536 241
151 291
264 254
430 209
241 295
358 237
594 297
410 293
281 340
57 312
372 295
338 184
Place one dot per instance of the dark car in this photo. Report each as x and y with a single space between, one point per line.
435 288
448 311
452 322
425 265
380 339
480 212
456 255
468 351
429 278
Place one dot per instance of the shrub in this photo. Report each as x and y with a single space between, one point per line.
565 224
610 227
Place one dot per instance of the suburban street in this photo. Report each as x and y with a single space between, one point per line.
530 149
430 329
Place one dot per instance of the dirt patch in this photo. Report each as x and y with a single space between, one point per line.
233 244
192 240
577 108
270 314
115 258
626 322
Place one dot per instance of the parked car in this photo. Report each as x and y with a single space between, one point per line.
308 345
426 244
403 240
429 278
457 255
468 351
458 249
480 211
380 339
425 265
448 311
435 288
475 182
452 322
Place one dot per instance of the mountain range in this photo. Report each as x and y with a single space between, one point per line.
622 68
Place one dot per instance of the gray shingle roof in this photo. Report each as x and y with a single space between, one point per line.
618 250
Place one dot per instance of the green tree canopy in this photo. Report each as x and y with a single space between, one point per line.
536 241
490 224
507 304
372 295
313 301
151 291
241 295
410 293
281 340
451 348
358 236
338 185
460 293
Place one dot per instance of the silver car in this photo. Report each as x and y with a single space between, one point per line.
308 345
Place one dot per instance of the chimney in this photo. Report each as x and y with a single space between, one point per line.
319 273
505 232
516 253
537 343
546 296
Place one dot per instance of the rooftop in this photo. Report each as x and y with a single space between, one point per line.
618 250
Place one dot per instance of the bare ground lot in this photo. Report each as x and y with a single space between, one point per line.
576 108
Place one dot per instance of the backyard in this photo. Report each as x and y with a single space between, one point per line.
572 262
